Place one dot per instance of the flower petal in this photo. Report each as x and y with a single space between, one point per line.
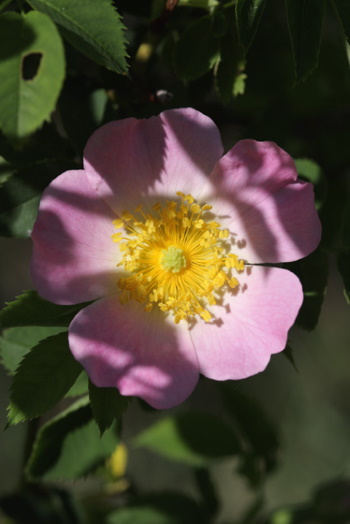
252 325
271 213
74 258
130 161
141 353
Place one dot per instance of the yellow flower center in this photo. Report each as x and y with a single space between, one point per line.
173 259
178 258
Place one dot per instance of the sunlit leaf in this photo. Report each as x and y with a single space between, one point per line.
248 15
70 446
194 438
32 69
92 26
43 377
305 19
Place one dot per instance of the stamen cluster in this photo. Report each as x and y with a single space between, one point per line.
178 258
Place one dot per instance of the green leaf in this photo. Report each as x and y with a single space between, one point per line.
4 4
197 49
313 273
248 15
41 147
81 112
160 508
30 309
343 262
288 353
80 386
312 172
20 197
192 438
230 76
202 4
15 343
41 505
32 69
343 259
345 227
107 405
6 170
258 433
70 446
43 377
92 26
343 7
305 18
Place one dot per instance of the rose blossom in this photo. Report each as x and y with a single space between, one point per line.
164 234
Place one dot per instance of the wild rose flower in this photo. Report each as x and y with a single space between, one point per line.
163 233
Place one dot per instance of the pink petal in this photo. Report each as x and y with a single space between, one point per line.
141 353
131 160
251 325
74 258
270 212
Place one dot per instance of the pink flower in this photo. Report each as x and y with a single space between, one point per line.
164 234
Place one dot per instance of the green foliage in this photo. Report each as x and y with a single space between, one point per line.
313 273
305 19
343 7
20 195
81 112
344 269
230 76
69 446
202 4
312 172
4 4
16 342
193 438
260 439
328 505
31 71
42 504
30 309
107 405
43 377
248 15
198 49
80 386
160 508
343 259
92 26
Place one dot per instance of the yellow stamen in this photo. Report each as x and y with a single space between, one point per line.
177 259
